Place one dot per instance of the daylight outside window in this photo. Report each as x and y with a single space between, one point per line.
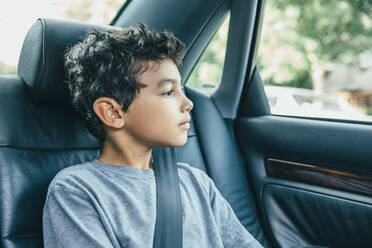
315 58
207 73
16 17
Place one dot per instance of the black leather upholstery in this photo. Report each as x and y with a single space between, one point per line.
35 143
324 220
41 60
40 135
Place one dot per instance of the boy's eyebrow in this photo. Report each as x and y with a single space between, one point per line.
165 81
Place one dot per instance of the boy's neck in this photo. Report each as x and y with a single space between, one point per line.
115 153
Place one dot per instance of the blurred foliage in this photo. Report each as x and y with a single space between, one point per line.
299 78
8 72
300 37
93 11
7 69
368 111
339 30
207 72
365 110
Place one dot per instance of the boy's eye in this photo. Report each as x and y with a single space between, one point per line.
168 93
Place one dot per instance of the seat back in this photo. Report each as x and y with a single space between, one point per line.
39 132
40 135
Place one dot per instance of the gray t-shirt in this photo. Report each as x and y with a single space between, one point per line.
101 205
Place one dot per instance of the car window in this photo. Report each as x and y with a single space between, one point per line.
207 73
16 17
315 58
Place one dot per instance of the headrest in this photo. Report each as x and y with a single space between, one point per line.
41 63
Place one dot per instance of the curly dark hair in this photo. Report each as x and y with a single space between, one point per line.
108 63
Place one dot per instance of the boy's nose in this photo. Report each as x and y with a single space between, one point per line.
188 104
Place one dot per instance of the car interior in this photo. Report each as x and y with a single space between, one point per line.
292 182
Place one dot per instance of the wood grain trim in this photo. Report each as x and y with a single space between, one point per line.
330 178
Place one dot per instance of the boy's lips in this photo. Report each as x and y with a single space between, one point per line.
187 120
185 124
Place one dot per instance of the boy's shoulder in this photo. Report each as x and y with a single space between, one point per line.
187 168
192 173
72 177
82 176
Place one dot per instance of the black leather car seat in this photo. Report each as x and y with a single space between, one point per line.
40 135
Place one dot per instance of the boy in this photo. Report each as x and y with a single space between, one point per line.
127 87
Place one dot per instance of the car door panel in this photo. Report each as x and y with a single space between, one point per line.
297 209
298 216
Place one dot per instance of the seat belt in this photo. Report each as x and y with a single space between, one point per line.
168 225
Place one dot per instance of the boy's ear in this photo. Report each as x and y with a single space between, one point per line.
109 111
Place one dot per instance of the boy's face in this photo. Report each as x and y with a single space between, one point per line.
156 115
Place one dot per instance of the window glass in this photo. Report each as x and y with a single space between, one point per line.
315 58
207 73
16 17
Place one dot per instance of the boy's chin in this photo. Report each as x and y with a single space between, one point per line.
182 141
180 144
174 143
